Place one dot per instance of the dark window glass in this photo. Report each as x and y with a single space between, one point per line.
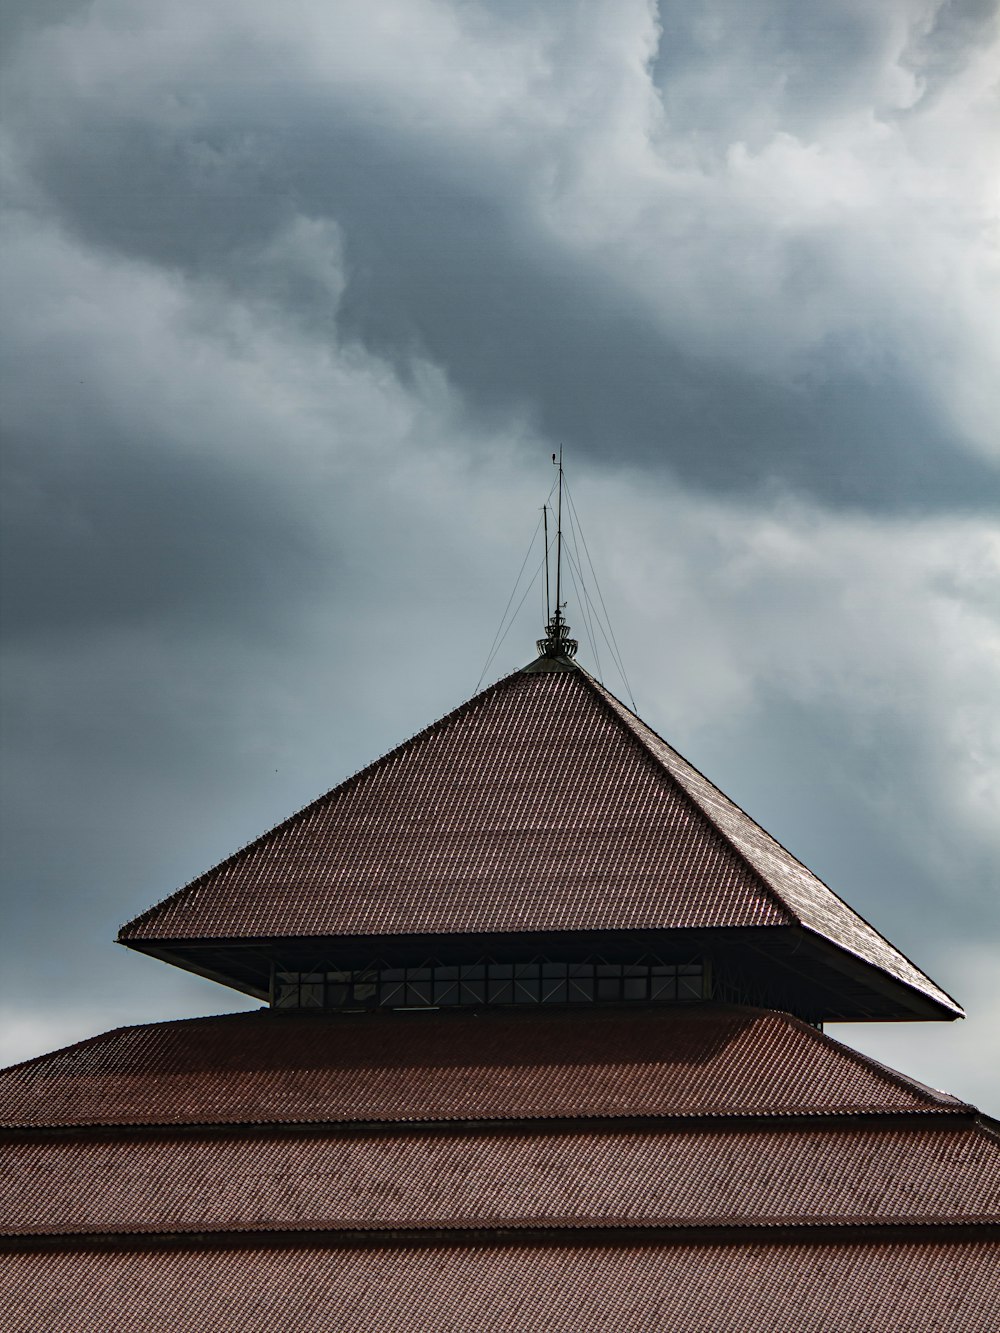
446 992
663 988
689 987
489 983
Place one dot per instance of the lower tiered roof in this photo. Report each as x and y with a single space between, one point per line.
491 1170
507 1286
273 1067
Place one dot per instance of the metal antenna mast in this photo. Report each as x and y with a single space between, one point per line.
545 523
559 539
557 642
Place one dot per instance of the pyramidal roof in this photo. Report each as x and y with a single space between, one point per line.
541 805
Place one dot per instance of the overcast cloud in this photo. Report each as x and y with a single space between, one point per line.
300 298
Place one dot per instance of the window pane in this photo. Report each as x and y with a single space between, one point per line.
689 988
529 982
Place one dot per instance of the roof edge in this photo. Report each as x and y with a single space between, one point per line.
125 931
626 715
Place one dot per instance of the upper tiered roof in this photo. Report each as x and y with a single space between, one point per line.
541 808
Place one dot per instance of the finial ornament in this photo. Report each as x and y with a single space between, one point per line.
557 642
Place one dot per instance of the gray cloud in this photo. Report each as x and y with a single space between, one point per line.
300 304
446 257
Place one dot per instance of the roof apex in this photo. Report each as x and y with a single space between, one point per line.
542 804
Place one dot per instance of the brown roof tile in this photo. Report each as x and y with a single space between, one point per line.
274 1067
855 1287
937 1172
540 805
810 901
530 808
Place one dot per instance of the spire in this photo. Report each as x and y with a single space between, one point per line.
557 642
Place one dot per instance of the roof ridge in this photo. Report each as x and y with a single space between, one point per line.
636 726
936 1095
609 700
127 1027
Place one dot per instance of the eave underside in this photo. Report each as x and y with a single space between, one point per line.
776 967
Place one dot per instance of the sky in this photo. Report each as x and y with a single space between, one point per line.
299 300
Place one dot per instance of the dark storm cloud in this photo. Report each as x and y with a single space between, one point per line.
116 533
300 301
443 261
